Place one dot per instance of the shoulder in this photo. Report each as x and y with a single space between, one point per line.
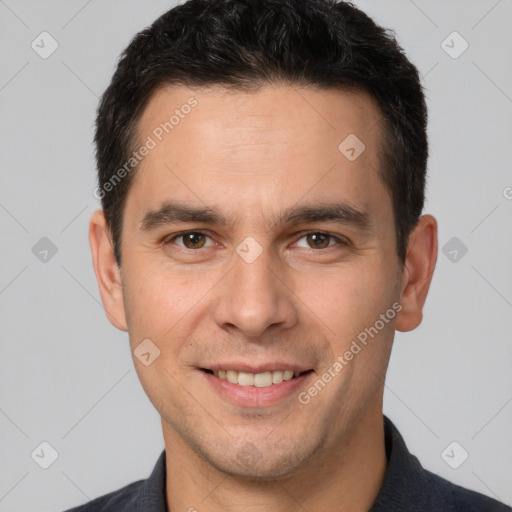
409 486
458 498
147 495
119 500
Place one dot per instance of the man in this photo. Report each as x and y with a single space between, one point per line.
262 170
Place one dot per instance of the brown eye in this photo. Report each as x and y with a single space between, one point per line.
318 240
193 240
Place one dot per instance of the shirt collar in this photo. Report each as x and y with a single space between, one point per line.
152 497
405 477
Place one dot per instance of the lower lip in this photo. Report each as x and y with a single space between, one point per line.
251 396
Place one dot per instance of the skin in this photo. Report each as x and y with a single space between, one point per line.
251 156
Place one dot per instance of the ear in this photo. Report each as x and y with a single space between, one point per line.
417 274
107 272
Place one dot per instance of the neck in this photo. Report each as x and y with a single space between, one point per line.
347 475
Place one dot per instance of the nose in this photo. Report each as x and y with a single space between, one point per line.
255 297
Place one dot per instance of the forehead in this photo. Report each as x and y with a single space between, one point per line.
259 150
271 114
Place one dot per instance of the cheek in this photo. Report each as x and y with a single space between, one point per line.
161 298
349 298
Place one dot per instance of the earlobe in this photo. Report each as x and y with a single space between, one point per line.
417 274
107 272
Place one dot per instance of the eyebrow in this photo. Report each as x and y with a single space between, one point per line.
172 212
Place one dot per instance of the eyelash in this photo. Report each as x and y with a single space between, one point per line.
339 240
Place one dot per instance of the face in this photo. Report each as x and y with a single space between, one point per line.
253 242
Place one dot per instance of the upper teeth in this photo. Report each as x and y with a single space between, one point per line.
260 380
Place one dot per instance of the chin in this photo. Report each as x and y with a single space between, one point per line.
262 472
268 464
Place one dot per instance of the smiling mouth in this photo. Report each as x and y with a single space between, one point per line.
259 380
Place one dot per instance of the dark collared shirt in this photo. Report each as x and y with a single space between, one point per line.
407 487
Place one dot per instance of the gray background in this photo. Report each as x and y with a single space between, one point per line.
66 375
